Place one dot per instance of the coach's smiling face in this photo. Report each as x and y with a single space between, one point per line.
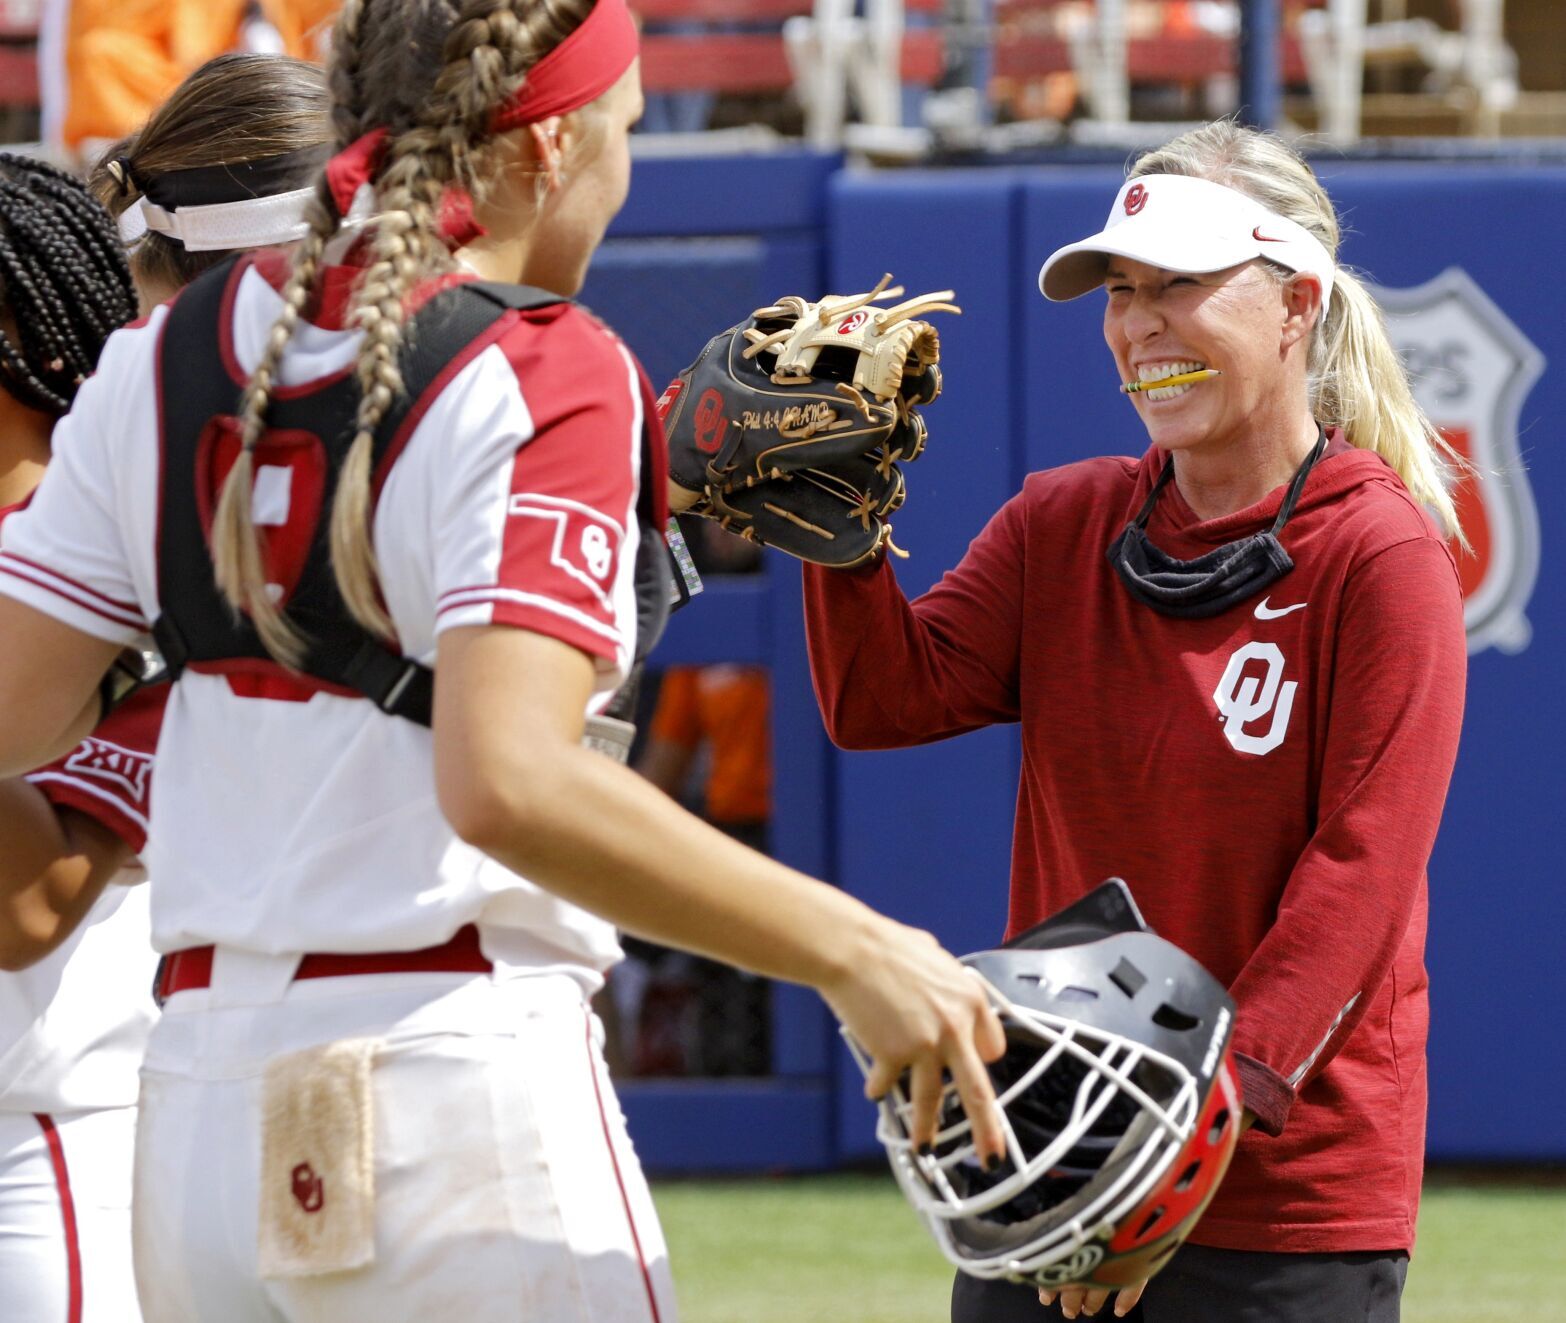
1244 321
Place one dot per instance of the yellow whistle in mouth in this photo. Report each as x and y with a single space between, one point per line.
1181 379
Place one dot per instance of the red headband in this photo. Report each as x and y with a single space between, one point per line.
580 69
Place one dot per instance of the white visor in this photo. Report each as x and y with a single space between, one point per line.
1187 225
249 223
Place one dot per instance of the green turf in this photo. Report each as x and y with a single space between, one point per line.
846 1249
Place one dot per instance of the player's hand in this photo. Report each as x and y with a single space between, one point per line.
912 1007
1085 1302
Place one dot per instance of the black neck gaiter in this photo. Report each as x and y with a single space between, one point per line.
1210 584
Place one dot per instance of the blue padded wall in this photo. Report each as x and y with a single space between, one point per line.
1029 385
931 845
1496 907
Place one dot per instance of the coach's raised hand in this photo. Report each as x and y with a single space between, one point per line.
789 428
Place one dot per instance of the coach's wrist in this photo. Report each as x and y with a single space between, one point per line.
680 498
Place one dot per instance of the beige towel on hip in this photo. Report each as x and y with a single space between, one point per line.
318 1161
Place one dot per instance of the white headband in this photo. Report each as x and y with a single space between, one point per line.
251 223
1190 225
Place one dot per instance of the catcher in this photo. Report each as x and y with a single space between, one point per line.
789 429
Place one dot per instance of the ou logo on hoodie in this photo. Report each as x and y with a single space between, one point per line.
1245 700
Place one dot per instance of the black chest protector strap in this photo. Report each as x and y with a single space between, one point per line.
200 405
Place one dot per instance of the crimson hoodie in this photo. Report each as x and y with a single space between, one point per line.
1268 781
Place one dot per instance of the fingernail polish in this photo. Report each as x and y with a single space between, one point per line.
925 1150
992 1163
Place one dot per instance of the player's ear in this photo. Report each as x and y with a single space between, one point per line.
548 148
1301 307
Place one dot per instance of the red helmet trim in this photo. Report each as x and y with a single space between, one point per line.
1211 1155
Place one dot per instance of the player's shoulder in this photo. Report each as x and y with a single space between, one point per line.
564 338
1372 510
128 354
572 372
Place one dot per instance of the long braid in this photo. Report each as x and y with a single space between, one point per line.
438 120
236 548
486 54
63 281
343 73
401 253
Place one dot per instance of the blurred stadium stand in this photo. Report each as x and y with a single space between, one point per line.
857 71
18 70
899 78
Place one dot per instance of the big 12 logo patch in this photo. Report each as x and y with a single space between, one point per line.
1472 368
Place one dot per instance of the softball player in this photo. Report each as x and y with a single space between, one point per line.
1238 665
71 928
75 1011
376 1088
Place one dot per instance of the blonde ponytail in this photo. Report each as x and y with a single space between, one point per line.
404 250
1357 380
1362 387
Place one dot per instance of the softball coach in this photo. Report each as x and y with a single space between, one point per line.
1238 663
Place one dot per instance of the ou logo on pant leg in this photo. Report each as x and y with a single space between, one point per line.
1243 699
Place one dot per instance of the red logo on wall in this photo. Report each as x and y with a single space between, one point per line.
309 1192
709 422
1136 199
853 322
1472 368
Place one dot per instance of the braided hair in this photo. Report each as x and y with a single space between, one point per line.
65 286
431 72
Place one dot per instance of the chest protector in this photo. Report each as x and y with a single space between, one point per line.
311 427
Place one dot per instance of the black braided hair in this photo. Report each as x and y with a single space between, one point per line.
65 286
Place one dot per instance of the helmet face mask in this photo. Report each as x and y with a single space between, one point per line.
1118 1107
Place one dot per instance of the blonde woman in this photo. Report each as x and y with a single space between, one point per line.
1238 664
376 1089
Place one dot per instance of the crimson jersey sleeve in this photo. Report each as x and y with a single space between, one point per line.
538 524
1397 708
108 776
889 673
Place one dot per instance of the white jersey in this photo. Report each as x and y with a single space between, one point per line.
72 1030
74 1026
292 820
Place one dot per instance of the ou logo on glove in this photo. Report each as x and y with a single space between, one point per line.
1244 699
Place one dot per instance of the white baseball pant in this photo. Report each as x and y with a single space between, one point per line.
505 1187
65 1228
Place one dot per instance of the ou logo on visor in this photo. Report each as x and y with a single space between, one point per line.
1246 699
